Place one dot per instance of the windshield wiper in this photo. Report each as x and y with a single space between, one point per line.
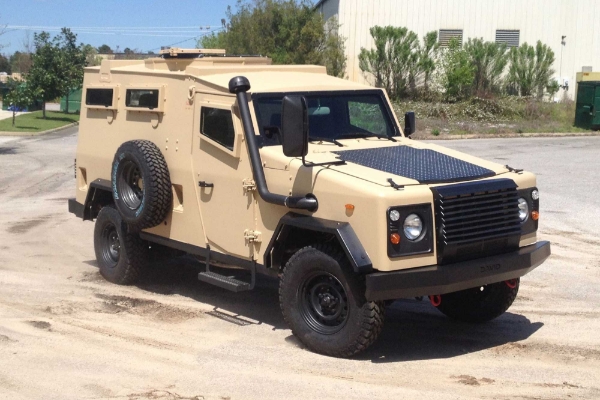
366 135
329 140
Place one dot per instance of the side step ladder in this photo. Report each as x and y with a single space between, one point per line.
226 282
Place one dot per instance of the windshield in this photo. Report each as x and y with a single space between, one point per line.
330 116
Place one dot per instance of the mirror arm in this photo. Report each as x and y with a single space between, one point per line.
239 86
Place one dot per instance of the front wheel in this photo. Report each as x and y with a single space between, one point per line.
323 302
480 304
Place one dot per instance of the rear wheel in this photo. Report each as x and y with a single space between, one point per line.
121 254
323 302
480 304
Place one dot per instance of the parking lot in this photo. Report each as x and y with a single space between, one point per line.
65 333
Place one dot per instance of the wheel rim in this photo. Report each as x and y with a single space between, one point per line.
323 303
111 245
131 185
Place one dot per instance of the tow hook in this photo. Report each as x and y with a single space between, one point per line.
435 300
511 283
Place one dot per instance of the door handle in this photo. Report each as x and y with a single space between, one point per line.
205 184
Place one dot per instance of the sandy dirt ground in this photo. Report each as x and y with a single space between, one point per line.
65 333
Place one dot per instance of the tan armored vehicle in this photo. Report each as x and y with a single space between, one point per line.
288 172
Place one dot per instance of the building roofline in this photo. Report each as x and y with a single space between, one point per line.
319 3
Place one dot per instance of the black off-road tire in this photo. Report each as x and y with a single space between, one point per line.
141 184
121 254
477 305
322 270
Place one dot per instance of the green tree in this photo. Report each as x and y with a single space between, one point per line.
5 64
334 55
457 73
57 65
20 62
489 61
530 72
91 55
398 61
287 31
104 49
19 96
73 60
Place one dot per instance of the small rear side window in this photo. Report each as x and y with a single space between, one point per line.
99 97
142 98
217 124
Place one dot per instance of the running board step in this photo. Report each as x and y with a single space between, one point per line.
224 282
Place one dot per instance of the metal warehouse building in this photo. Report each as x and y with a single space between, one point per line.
510 21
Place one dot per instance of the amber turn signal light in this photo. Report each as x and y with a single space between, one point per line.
395 238
350 207
535 215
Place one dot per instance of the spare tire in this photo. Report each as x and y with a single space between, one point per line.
141 184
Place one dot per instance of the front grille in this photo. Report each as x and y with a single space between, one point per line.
476 219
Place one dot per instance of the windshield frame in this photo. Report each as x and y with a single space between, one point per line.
387 111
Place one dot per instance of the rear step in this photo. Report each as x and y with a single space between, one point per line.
226 282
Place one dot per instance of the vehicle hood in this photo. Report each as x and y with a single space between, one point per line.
406 162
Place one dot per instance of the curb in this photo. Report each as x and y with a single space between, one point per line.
60 128
509 135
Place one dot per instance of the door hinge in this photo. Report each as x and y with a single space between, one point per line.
249 185
252 236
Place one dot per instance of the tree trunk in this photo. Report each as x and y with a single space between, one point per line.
67 106
44 110
14 115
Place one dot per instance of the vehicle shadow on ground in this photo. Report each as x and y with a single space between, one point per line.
413 330
180 276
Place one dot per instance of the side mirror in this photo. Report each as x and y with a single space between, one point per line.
294 126
409 123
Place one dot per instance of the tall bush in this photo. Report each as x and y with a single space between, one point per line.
530 72
457 73
489 61
398 62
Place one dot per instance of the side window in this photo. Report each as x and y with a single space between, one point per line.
99 97
217 124
142 98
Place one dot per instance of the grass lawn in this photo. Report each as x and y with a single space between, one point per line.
33 122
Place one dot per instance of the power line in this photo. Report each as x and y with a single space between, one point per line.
187 40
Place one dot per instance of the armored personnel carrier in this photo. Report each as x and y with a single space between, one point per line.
285 171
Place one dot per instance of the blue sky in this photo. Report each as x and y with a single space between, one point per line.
120 23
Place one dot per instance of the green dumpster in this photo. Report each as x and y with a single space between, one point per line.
74 102
587 108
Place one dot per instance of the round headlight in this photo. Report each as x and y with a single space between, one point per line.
523 209
394 215
535 194
413 227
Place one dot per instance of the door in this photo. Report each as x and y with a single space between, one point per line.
221 167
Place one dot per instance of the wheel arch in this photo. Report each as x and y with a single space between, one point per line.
99 195
291 233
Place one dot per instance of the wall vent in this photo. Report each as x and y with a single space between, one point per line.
509 37
447 34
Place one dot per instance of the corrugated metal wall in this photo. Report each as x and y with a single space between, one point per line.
545 20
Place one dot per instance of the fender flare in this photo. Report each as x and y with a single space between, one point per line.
345 235
99 193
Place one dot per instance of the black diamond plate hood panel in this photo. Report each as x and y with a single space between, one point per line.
423 165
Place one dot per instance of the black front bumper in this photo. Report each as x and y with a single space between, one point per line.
440 279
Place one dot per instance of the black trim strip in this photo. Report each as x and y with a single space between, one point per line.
203 252
357 255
